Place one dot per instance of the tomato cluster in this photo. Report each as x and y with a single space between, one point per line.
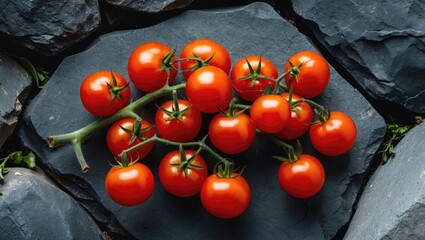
280 111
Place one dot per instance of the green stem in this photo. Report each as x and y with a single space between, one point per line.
176 101
287 147
77 137
278 82
241 106
201 144
76 144
323 113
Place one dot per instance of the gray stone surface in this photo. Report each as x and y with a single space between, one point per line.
31 207
244 31
48 27
15 84
150 6
380 43
393 203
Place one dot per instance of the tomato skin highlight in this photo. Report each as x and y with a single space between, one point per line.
131 185
243 88
270 113
184 130
204 49
175 181
96 96
334 137
144 66
313 76
303 178
299 123
232 135
118 140
225 197
208 89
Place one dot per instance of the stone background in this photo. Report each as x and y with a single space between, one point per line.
376 50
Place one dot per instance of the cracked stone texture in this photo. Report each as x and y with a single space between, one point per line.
150 6
15 84
249 30
48 27
380 43
31 207
393 203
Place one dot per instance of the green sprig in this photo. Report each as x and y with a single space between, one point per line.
395 132
17 158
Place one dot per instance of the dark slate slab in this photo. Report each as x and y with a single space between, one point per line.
150 6
31 207
380 43
393 204
48 27
254 29
15 84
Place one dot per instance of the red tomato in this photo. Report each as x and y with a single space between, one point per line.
175 181
204 49
131 185
270 113
299 123
208 89
178 130
335 136
118 140
252 88
313 76
96 94
302 178
225 197
146 66
232 135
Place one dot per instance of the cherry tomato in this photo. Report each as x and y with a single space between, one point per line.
270 113
178 130
225 197
179 182
313 75
204 49
252 88
302 178
131 185
118 140
101 96
335 136
232 135
208 89
300 120
146 66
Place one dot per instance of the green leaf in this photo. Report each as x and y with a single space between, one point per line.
39 75
29 160
16 157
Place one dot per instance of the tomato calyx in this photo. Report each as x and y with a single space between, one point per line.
175 112
136 131
293 153
294 71
320 111
198 62
114 89
234 109
254 75
225 169
293 104
167 64
186 163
